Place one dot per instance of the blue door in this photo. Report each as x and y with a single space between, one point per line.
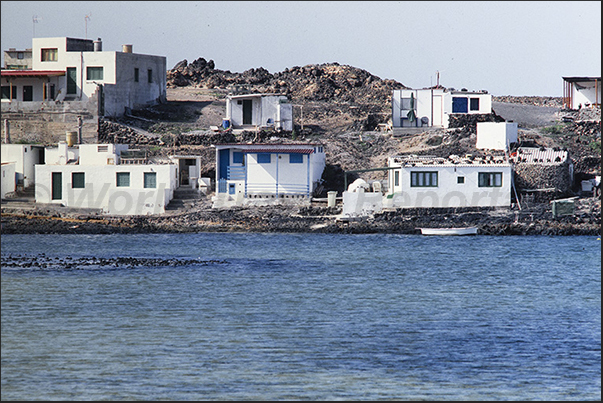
224 163
459 105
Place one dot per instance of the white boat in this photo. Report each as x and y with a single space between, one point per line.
449 231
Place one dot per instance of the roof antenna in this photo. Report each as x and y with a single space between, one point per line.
35 20
86 19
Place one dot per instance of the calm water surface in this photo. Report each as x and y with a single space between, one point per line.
304 316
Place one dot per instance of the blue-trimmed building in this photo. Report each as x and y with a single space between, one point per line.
267 173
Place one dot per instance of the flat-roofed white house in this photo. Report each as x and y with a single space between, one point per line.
495 135
581 91
267 173
422 181
431 107
72 69
24 157
259 111
108 177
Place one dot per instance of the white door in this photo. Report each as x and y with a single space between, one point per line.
438 111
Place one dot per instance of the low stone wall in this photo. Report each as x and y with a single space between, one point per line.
538 176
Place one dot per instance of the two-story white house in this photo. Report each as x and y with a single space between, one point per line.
267 173
72 69
108 177
431 107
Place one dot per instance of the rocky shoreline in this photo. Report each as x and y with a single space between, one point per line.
535 220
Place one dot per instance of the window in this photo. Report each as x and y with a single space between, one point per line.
406 104
490 179
396 178
423 179
49 55
460 179
150 75
150 180
296 158
474 104
237 157
102 149
77 180
122 179
263 158
94 73
136 74
6 92
459 105
20 55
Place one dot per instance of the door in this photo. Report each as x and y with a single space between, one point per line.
27 93
247 111
71 80
438 111
57 186
224 162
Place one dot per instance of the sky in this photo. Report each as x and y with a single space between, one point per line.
517 48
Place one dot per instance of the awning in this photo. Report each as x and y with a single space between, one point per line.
280 150
32 73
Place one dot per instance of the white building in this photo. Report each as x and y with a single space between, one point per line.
450 182
71 69
495 135
109 177
431 107
581 91
267 173
24 157
259 110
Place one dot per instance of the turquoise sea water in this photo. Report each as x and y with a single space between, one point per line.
303 316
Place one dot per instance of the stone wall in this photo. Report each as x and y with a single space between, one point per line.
47 122
538 176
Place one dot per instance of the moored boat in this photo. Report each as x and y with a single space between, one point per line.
449 231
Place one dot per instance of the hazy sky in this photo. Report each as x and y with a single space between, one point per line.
507 48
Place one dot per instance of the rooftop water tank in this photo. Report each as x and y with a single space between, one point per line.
98 45
126 48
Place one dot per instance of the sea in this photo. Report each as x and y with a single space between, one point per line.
252 316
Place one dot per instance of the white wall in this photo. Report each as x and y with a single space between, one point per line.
8 178
449 193
496 135
101 192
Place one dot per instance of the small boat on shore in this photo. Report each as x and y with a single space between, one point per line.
449 231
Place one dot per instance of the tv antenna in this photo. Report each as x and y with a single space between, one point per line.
86 19
35 19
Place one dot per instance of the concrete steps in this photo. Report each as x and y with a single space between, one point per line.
184 197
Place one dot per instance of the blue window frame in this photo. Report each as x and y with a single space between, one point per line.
237 157
263 158
296 158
